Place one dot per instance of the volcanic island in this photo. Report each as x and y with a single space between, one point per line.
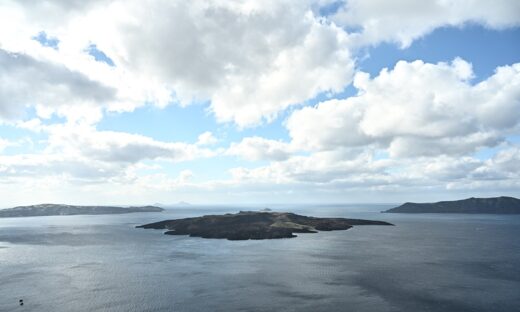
246 225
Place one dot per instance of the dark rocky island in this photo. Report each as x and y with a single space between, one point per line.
254 225
494 205
66 210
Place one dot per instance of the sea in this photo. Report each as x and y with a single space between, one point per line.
426 262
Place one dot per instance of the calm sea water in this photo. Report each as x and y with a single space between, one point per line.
102 263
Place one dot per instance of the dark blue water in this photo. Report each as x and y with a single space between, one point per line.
102 263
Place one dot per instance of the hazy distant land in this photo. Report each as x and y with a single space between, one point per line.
493 205
255 225
65 210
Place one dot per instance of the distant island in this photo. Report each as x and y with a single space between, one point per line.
67 210
254 225
493 205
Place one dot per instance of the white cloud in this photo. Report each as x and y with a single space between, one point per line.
4 143
443 168
318 62
321 167
185 176
403 21
28 167
251 60
82 153
111 146
257 148
504 165
26 81
498 98
328 125
206 138
415 109
331 174
25 142
459 145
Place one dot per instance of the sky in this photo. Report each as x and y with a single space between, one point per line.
133 102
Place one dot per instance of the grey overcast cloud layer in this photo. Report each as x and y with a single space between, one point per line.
253 63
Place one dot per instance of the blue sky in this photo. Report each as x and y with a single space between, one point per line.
334 102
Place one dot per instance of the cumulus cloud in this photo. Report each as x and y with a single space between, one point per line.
319 62
415 109
251 60
403 21
26 81
328 125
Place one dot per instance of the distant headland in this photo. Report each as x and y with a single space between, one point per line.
254 225
67 210
493 205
